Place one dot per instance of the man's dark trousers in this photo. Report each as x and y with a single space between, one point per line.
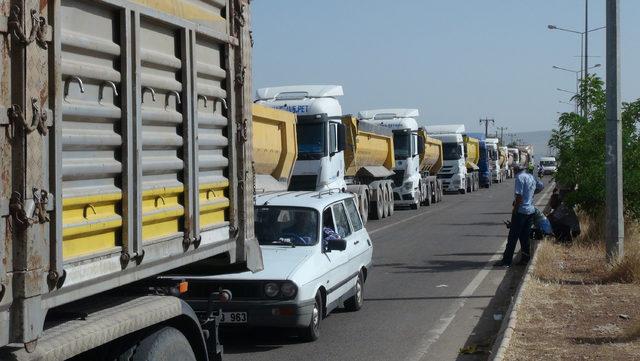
520 229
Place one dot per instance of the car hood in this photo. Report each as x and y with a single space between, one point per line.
279 264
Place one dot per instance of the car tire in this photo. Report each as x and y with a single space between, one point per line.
312 332
355 303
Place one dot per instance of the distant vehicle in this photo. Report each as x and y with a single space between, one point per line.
497 175
549 165
306 275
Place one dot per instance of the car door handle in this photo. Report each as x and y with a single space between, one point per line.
356 242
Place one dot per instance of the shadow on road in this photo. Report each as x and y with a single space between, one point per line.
245 340
441 266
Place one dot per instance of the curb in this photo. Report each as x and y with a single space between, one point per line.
509 323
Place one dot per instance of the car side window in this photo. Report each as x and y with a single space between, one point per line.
341 220
354 216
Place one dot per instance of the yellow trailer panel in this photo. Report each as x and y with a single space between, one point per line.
472 148
365 147
431 159
502 156
274 147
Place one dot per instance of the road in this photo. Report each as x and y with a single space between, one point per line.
430 293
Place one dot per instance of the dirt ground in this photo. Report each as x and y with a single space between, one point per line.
570 311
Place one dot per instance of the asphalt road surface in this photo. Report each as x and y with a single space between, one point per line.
429 295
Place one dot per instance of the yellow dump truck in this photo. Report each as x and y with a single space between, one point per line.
275 147
369 160
431 161
124 155
472 157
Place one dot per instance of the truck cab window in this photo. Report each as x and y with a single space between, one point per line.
311 143
333 138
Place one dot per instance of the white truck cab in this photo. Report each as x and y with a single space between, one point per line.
454 170
407 148
494 159
320 163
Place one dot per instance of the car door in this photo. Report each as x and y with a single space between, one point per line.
360 248
337 260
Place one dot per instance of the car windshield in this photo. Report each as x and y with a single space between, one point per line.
451 151
310 141
402 145
286 226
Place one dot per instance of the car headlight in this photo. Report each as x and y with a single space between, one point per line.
271 289
288 289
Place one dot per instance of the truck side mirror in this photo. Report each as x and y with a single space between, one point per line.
420 145
341 137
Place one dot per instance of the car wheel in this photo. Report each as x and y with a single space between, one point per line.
355 303
312 332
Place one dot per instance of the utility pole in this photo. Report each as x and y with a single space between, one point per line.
586 57
502 129
614 216
486 125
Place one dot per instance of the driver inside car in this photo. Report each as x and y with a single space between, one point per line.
302 229
328 232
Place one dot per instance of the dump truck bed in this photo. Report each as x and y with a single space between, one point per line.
431 160
472 148
368 147
126 173
274 147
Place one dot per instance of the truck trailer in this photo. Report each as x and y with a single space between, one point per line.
124 155
337 151
455 175
430 164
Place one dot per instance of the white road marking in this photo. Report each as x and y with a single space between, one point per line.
443 323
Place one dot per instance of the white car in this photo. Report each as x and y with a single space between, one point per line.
549 165
305 275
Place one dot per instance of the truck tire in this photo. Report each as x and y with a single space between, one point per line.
356 301
364 207
391 201
427 198
463 191
165 344
312 332
377 206
385 193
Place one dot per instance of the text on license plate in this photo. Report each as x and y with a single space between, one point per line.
234 317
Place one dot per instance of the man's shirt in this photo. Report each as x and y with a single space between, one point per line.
526 185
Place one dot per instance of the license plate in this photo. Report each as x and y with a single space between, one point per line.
234 317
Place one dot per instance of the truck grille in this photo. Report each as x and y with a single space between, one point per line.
303 183
398 178
444 176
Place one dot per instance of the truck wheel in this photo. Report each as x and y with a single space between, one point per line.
377 210
166 344
391 201
364 207
355 303
387 201
427 198
312 332
463 191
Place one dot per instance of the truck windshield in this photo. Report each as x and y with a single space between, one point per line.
451 151
311 140
291 226
402 145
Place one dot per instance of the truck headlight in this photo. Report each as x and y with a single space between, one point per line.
288 289
408 186
271 289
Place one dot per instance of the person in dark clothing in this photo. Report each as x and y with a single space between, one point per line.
522 216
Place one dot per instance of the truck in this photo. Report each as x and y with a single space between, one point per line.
514 156
494 156
337 151
123 155
549 165
431 162
505 161
455 175
484 163
407 190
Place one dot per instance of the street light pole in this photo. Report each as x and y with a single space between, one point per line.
614 216
502 129
586 57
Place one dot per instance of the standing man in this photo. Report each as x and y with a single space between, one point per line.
521 216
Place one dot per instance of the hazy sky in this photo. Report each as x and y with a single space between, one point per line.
455 60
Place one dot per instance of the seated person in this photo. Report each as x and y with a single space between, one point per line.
328 232
303 229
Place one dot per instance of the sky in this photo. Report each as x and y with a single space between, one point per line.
456 60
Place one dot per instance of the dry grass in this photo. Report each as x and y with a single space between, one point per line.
548 266
631 333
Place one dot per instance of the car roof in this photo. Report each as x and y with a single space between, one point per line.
316 199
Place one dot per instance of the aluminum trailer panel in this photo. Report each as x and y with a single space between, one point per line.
367 145
127 120
274 147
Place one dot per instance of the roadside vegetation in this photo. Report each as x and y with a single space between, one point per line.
576 305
